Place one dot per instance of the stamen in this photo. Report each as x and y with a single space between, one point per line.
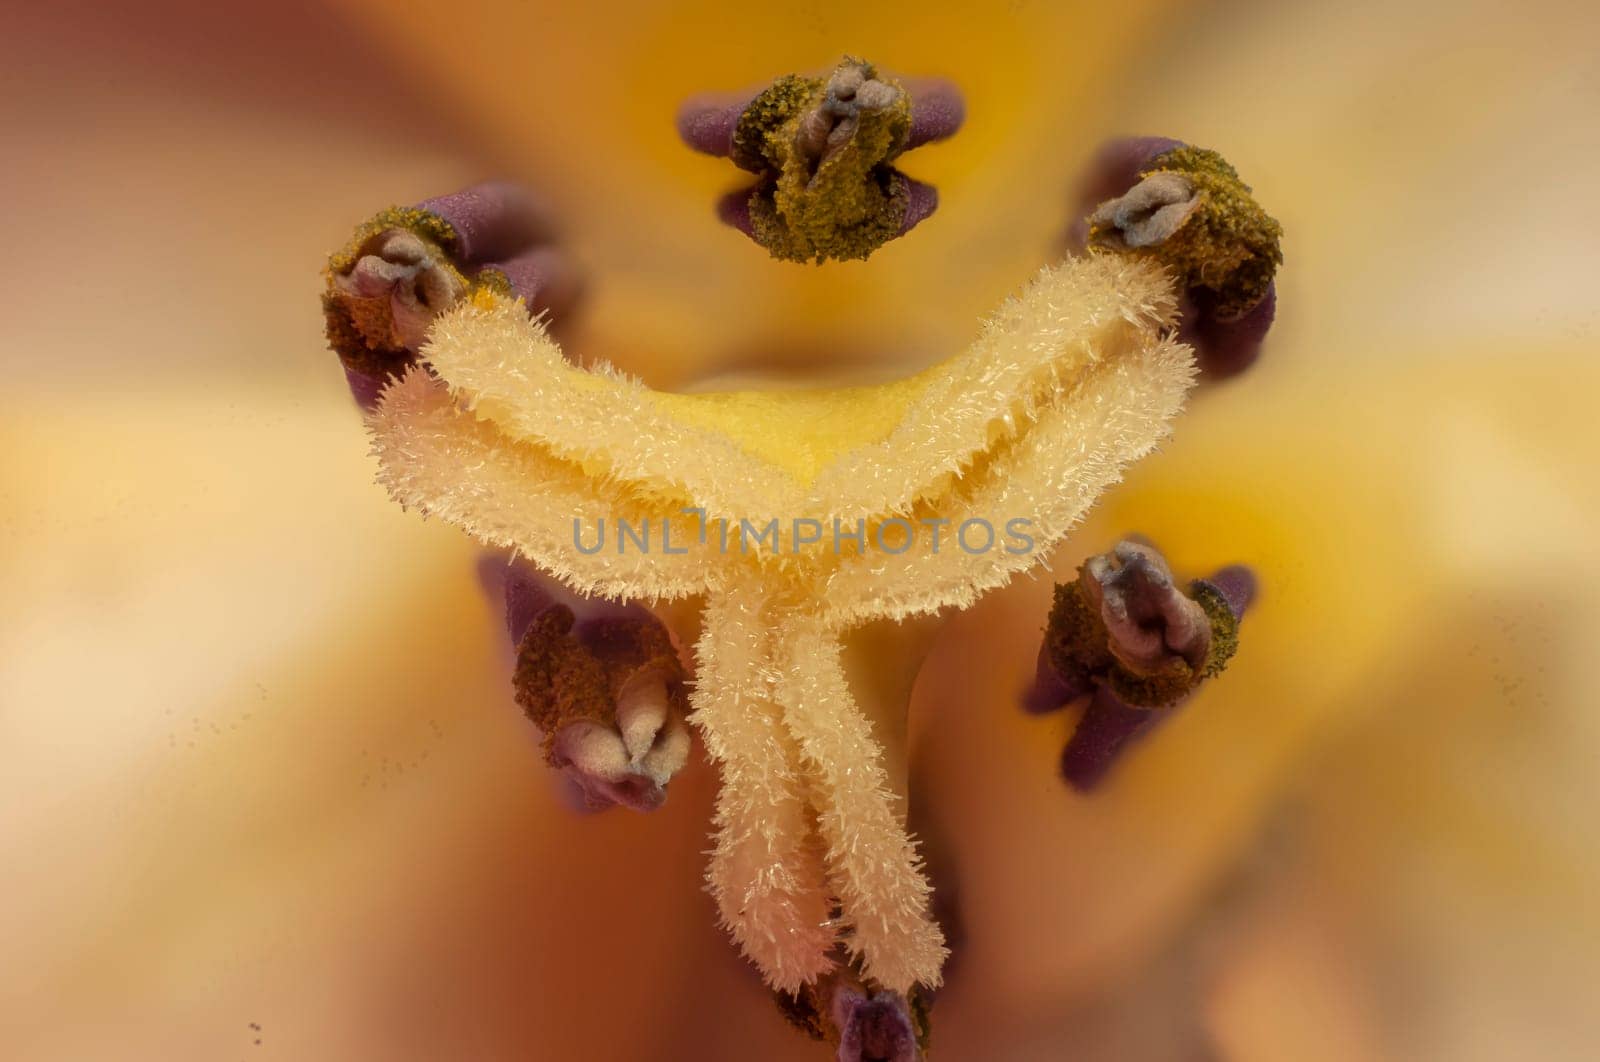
1185 207
393 292
604 686
827 146
408 265
824 148
1214 236
874 1028
1147 619
864 1023
1126 635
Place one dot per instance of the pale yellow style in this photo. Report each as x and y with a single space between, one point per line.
1065 385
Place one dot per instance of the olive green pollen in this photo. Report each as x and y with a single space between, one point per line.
1075 636
1077 642
1161 688
493 280
424 224
842 204
774 108
357 329
1224 627
921 1009
1227 246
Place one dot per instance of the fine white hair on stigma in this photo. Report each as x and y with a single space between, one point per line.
1066 384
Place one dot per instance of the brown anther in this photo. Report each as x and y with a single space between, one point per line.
607 691
824 148
1147 617
397 285
861 1021
1136 645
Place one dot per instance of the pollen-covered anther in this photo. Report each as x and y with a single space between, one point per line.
875 1027
606 691
1135 643
395 289
1127 625
1191 212
824 148
1148 620
862 1022
407 265
1186 208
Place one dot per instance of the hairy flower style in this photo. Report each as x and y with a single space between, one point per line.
1066 383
